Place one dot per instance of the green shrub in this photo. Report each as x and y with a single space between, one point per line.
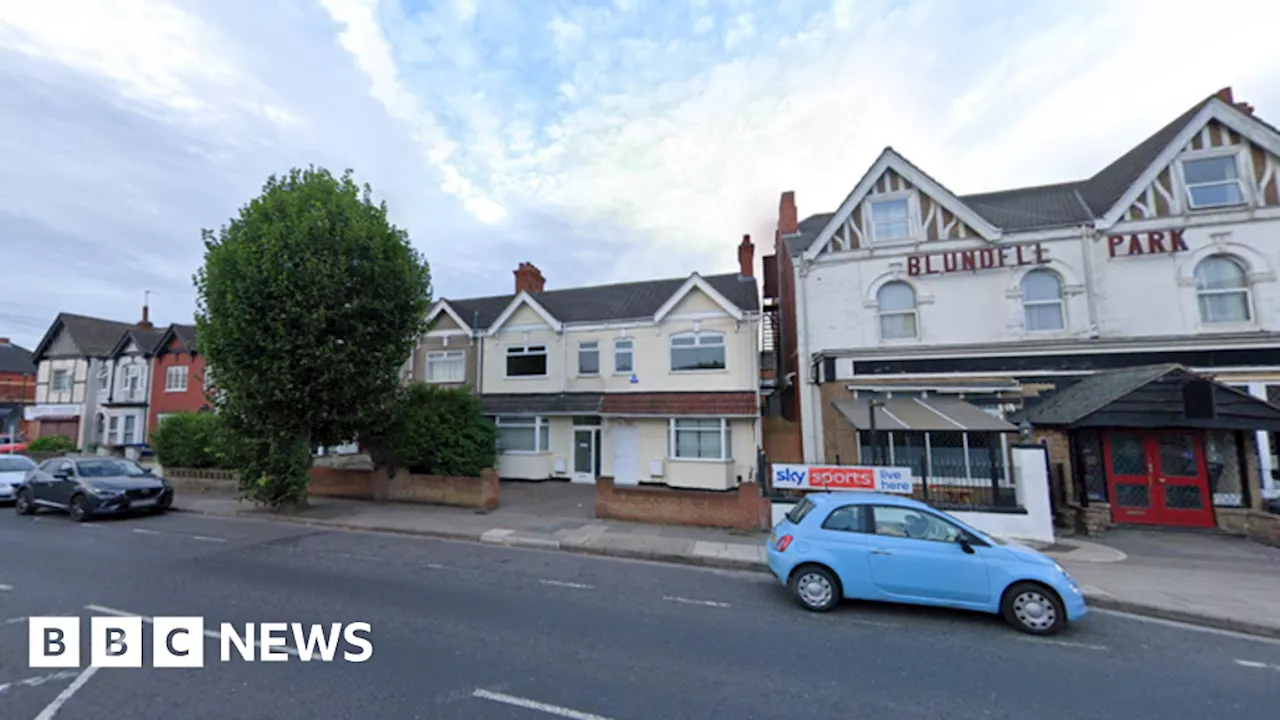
51 444
435 431
193 440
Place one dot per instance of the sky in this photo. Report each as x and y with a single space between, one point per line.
603 141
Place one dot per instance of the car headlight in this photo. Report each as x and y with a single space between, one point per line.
106 492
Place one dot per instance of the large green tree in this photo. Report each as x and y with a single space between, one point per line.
309 303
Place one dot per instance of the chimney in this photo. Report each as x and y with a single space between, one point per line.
4 341
1225 95
787 222
529 279
746 257
145 322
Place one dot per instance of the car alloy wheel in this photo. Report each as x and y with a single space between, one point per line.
22 504
1034 609
79 508
815 588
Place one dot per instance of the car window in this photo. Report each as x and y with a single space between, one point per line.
108 467
846 519
802 508
911 523
16 463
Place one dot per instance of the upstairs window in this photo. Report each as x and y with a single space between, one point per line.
623 355
1222 288
104 378
175 378
61 381
896 304
527 361
697 351
1042 301
446 366
1212 182
890 220
589 358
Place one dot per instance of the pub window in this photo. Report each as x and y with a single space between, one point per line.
1042 301
1222 288
1212 182
896 304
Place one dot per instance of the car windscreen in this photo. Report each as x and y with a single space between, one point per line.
16 464
108 468
802 508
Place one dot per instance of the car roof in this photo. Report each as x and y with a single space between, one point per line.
864 498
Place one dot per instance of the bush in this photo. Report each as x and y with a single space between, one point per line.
51 444
193 440
435 431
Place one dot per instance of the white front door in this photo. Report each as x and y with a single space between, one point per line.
584 455
626 455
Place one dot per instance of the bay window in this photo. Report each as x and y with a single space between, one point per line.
446 366
523 434
700 439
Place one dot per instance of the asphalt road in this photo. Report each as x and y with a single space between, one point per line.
475 631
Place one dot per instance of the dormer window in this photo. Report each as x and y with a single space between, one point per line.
891 220
1212 182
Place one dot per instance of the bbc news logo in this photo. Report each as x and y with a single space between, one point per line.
179 642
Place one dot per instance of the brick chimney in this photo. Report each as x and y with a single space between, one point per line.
1225 95
746 257
529 279
788 224
145 322
4 341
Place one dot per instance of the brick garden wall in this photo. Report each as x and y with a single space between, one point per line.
476 492
741 509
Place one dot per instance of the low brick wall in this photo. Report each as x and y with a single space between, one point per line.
201 480
474 492
741 509
1091 521
1256 525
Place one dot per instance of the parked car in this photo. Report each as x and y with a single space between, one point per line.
871 546
13 470
84 486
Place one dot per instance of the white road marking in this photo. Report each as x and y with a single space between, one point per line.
5 587
39 680
435 566
1187 626
52 708
206 538
1063 643
147 619
13 621
144 531
1251 663
528 704
690 601
561 583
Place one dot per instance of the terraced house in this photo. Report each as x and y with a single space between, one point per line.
649 382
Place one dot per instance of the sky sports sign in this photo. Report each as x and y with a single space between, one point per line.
843 477
179 642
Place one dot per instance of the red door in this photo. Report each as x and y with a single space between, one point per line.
1158 478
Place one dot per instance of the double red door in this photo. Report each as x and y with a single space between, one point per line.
1158 477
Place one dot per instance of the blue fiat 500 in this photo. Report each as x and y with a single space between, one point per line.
871 546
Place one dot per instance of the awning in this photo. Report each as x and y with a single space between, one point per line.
932 413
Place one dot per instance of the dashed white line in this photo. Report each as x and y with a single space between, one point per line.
52 708
528 704
1251 663
38 680
144 531
435 566
12 621
1063 643
561 583
690 601
5 587
206 538
149 620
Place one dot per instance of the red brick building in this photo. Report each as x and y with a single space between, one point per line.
178 380
17 385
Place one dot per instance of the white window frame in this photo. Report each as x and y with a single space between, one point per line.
128 428
175 378
914 311
1060 302
133 378
590 347
1247 291
542 432
113 429
1212 154
526 351
437 358
624 346
55 386
892 197
725 431
104 378
698 342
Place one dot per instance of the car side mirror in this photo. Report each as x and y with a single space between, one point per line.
965 545
62 474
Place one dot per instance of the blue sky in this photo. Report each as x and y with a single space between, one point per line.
600 140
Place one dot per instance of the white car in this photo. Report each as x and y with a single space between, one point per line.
13 468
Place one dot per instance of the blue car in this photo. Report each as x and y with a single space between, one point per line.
870 546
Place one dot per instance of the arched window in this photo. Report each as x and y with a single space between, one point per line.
1042 301
1222 287
896 303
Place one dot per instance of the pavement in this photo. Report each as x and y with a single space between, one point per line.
484 631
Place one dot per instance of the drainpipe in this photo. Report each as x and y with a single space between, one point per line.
804 365
1086 238
753 348
564 359
478 337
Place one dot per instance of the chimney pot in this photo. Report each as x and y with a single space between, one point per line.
746 257
788 223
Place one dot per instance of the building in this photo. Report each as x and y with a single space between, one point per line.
69 377
17 388
922 327
124 388
648 382
179 380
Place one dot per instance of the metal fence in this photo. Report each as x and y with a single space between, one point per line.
954 470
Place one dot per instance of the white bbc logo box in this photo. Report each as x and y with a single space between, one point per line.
178 642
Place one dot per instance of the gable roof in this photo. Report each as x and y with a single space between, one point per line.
94 337
524 299
16 359
1093 393
186 334
604 303
146 340
444 306
695 282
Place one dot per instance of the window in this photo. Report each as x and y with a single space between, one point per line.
1212 182
175 379
113 429
1222 287
890 220
589 358
697 351
908 522
110 467
1042 301
160 418
130 422
104 378
802 508
133 378
845 519
61 380
700 439
523 434
527 361
623 355
447 366
896 302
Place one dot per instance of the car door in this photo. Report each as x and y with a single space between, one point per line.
61 488
841 538
915 556
41 482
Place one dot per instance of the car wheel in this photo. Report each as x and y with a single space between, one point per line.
79 508
815 588
23 504
1033 608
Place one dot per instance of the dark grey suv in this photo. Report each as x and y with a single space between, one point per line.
88 486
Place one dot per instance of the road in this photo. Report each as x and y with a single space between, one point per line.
475 631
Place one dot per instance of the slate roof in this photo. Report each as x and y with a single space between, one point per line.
667 404
186 334
95 337
1093 393
809 229
541 404
1033 207
16 359
146 340
599 303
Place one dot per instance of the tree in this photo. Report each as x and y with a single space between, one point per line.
435 431
309 302
192 440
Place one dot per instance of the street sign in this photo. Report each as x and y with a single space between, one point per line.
843 477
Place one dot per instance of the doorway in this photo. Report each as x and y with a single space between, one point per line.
1158 477
586 454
